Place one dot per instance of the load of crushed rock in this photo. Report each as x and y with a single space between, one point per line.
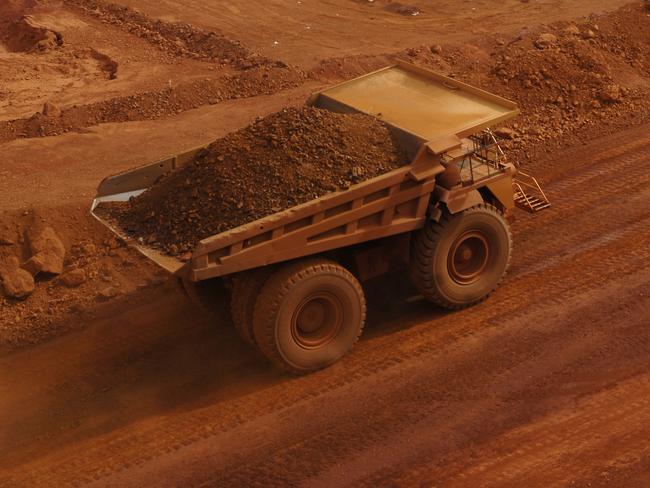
280 161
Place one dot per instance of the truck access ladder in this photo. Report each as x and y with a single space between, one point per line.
528 194
483 156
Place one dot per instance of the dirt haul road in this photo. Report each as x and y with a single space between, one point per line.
335 28
545 384
122 382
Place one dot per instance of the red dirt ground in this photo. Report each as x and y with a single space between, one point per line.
122 382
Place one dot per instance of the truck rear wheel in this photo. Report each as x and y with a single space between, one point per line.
245 290
309 314
460 260
204 294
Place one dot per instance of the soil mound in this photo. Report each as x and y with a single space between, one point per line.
36 303
155 104
575 75
566 76
24 35
576 67
178 38
278 162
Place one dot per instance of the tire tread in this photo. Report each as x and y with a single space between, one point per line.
423 245
274 291
245 291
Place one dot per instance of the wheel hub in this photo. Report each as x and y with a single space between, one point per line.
468 257
317 320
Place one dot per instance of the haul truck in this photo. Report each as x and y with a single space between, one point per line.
295 275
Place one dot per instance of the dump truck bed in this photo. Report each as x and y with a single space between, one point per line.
426 112
388 204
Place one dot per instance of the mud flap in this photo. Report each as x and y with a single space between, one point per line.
501 190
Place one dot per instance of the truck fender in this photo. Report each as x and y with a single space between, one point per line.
457 200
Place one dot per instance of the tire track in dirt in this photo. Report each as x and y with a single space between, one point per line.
576 159
392 435
623 253
191 422
518 454
574 204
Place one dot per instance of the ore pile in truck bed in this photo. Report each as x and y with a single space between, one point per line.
280 161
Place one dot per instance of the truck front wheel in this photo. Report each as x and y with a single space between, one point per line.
461 259
309 314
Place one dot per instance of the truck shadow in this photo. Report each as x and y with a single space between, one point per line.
394 304
147 355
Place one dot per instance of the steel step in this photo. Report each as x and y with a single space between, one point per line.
530 203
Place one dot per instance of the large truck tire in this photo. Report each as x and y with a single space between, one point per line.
245 290
308 315
461 259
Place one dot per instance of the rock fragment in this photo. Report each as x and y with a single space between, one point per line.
588 34
48 252
51 110
545 40
572 30
7 236
74 278
505 133
107 293
88 249
50 41
34 265
610 93
16 282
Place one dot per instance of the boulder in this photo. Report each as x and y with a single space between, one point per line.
589 34
16 282
74 278
34 265
107 293
505 133
7 236
572 30
545 40
88 249
610 93
49 41
51 110
48 252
